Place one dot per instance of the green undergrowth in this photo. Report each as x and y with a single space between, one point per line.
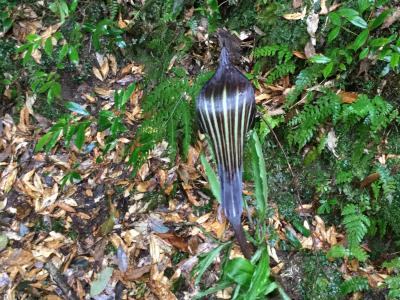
340 156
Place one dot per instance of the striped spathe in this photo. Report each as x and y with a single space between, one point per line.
226 110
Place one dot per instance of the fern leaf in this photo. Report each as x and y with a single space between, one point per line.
337 251
187 128
281 71
359 253
355 284
356 224
392 264
113 8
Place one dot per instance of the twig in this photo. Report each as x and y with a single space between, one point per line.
60 281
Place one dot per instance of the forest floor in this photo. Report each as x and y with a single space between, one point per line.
75 223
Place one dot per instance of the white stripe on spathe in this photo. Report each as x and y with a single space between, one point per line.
228 146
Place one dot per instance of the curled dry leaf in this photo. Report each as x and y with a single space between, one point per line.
103 92
299 54
348 97
312 26
309 49
113 64
295 16
8 177
175 241
50 31
104 68
324 8
97 73
331 142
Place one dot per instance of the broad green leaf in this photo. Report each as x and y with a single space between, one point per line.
126 95
333 34
272 286
27 55
80 135
23 47
206 261
259 282
394 61
359 22
347 12
104 119
239 270
335 18
300 228
363 5
43 141
75 107
73 5
56 89
378 21
73 55
363 53
212 178
33 38
260 177
53 140
75 176
98 285
320 59
48 46
43 88
293 239
68 132
328 69
353 16
360 40
378 42
63 52
53 7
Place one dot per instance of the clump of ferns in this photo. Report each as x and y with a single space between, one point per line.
283 65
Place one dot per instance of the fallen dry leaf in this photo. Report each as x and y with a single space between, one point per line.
348 97
97 73
312 26
8 177
174 240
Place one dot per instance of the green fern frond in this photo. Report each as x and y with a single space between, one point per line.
113 8
337 251
389 183
355 284
187 122
283 52
280 71
170 115
359 253
392 264
393 282
304 79
356 224
312 116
